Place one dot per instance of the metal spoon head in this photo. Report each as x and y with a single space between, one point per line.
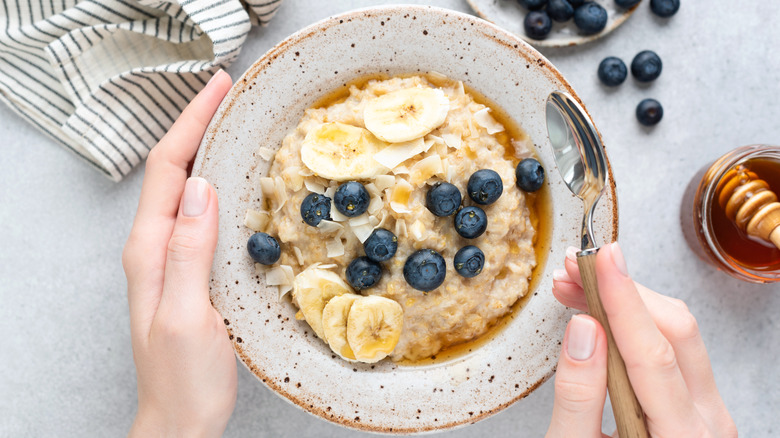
578 153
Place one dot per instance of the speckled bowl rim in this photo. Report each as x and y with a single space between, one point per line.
553 42
488 30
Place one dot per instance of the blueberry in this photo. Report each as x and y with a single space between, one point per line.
537 25
664 8
649 112
576 3
363 273
264 249
443 199
646 66
560 10
532 4
315 208
485 186
530 175
351 199
590 18
381 245
612 71
471 222
469 261
627 3
425 270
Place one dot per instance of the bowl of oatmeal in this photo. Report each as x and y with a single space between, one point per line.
374 156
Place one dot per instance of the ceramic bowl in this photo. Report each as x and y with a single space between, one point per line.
267 102
510 15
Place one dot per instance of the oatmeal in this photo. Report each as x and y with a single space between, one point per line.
322 222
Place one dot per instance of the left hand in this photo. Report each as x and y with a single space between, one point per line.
187 379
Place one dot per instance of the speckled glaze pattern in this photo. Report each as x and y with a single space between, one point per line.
510 15
267 102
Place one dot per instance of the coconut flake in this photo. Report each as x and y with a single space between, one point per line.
299 255
372 189
426 168
334 212
461 88
435 138
293 177
451 171
280 190
374 221
401 170
400 228
328 227
266 153
358 221
453 140
362 232
328 266
314 186
399 199
256 220
417 230
281 276
335 247
330 191
437 75
375 205
267 186
397 153
384 181
485 120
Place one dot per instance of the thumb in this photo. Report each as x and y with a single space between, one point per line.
191 250
580 381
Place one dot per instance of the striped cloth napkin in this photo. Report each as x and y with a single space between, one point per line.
107 78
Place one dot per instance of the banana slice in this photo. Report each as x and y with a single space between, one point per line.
407 114
334 324
342 152
312 289
374 326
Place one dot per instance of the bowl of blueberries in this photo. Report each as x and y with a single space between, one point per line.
560 23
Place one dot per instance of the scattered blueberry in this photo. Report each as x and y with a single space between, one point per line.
560 10
646 66
315 208
363 273
649 112
664 8
532 4
612 71
576 3
537 25
627 3
381 245
264 249
590 18
471 222
485 186
425 270
351 199
469 261
530 175
443 199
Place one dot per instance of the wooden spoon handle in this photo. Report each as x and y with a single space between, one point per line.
628 413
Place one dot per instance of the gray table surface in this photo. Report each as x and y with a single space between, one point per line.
67 367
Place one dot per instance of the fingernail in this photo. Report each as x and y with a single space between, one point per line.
560 275
617 258
571 253
196 197
582 338
219 72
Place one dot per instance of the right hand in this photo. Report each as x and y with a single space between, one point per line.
661 346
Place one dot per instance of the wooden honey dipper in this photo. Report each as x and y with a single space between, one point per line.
748 201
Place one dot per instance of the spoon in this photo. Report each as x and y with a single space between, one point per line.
582 164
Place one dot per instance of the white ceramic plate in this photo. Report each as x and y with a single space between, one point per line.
510 15
267 102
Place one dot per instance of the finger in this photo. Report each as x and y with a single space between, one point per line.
166 172
571 265
567 292
191 253
650 359
580 380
